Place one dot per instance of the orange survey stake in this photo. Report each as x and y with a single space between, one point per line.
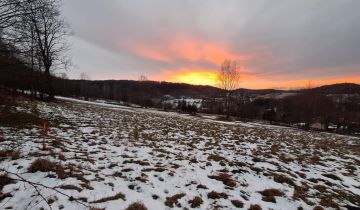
46 128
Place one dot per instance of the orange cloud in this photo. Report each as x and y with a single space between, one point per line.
152 54
196 50
185 47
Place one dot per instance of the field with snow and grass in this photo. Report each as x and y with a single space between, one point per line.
109 157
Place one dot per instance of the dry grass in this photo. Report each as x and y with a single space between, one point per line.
283 179
272 192
12 154
170 201
110 198
269 194
255 207
209 147
71 187
332 176
136 206
20 119
237 203
44 165
156 169
216 157
5 180
224 178
57 143
215 195
196 202
139 162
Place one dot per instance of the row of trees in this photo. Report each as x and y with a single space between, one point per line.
34 33
304 107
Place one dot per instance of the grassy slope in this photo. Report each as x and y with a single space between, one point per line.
108 157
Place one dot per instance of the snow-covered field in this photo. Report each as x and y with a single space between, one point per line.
110 157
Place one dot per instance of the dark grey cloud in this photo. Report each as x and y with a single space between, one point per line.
285 39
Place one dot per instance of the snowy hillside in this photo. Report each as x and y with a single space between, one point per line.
110 157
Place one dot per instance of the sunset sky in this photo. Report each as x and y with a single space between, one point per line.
278 43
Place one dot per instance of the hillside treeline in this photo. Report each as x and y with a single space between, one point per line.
33 44
318 108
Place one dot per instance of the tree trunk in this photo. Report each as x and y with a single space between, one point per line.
49 85
227 105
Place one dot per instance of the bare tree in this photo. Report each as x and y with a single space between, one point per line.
64 76
143 78
45 31
10 10
84 76
228 81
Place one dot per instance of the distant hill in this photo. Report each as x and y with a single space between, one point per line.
146 88
137 90
258 91
341 88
